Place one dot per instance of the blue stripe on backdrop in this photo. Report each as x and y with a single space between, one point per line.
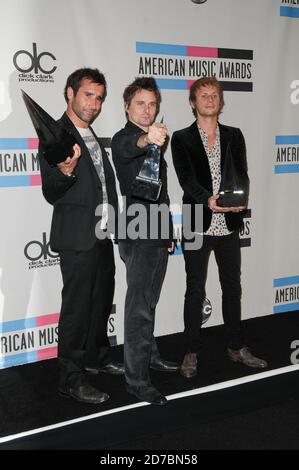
285 281
15 325
280 169
172 84
14 181
17 359
156 48
291 12
286 308
286 139
14 143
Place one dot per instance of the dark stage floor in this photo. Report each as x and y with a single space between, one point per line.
260 414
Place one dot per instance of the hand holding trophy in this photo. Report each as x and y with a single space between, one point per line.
147 184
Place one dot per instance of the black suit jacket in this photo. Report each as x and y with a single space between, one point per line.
75 199
128 159
193 170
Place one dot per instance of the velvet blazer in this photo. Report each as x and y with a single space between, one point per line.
193 170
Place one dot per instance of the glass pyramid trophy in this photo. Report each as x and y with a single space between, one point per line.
231 193
57 143
147 184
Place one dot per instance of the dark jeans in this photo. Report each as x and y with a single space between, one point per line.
146 268
87 296
228 258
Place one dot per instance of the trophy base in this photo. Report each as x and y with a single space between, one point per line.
57 150
147 189
231 199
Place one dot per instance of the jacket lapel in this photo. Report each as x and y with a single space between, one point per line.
224 139
200 158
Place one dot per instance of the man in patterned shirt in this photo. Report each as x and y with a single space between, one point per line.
199 152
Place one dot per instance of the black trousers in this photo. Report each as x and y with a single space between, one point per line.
146 268
87 297
228 258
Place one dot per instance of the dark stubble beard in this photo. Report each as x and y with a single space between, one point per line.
82 116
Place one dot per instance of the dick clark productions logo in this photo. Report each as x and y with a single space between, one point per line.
36 64
35 250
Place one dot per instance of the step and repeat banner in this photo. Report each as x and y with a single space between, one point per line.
250 46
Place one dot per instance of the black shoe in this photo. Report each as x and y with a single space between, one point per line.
114 368
164 366
147 393
84 393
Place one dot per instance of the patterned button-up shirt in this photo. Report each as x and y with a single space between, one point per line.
218 225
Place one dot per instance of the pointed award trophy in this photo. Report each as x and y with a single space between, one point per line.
57 143
147 184
231 193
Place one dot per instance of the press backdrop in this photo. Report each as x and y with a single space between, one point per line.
251 46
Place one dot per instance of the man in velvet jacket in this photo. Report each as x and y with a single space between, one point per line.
75 188
199 152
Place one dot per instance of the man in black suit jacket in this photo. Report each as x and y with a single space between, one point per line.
75 188
199 154
146 255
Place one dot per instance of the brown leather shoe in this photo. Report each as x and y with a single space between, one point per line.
244 356
188 368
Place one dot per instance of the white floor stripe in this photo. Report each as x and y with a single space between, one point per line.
235 382
188 393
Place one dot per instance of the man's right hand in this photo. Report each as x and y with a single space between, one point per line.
157 134
67 167
212 204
